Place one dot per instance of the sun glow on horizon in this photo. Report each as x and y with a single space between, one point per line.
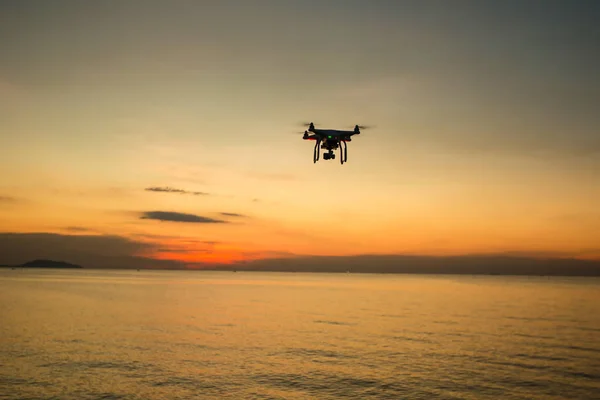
175 134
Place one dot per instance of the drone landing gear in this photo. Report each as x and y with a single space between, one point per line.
330 155
343 152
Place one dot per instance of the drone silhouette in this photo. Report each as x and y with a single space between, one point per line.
330 139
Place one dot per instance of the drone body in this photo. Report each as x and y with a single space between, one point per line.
330 139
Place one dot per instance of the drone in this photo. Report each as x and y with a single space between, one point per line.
330 139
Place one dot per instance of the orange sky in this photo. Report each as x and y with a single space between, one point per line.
485 140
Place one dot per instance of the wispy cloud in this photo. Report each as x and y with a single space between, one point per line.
179 217
7 199
178 239
199 242
175 250
230 214
77 229
166 189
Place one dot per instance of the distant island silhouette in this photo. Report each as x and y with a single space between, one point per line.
45 264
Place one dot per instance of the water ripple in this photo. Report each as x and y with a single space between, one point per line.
416 338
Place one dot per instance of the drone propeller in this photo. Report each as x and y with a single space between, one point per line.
307 123
364 127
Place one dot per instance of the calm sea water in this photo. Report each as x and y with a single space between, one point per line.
213 335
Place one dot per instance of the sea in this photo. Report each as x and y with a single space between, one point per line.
127 334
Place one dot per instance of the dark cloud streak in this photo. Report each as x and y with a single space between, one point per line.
89 251
230 214
167 189
77 229
170 216
7 199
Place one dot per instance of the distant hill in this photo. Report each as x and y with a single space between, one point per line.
404 264
49 264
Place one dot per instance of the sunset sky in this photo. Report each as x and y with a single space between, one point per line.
486 134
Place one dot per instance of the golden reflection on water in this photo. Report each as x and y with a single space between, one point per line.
163 334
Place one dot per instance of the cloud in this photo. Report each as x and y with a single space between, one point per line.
167 189
7 199
202 242
175 250
179 217
112 251
97 244
89 251
229 214
77 229
178 239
